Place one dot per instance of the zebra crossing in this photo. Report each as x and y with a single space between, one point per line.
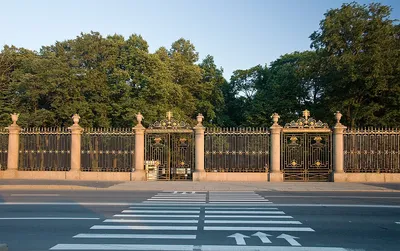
178 197
194 222
237 198
141 223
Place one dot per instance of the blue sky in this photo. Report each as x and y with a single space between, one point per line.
239 34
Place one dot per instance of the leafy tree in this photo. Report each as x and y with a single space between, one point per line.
359 46
211 104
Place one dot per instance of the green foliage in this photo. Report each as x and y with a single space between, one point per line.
107 80
359 48
354 68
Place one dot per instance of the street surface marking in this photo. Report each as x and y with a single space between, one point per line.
122 247
291 229
189 203
180 195
234 200
37 194
232 192
239 238
162 211
290 239
137 236
263 237
176 199
48 218
244 212
250 216
252 222
177 207
267 248
172 202
247 208
158 215
151 221
237 196
108 227
238 202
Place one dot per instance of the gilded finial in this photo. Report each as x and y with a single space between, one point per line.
306 114
169 115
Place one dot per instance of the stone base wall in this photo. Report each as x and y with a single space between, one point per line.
366 177
51 175
210 176
197 176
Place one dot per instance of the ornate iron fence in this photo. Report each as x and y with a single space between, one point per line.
3 149
236 150
108 150
372 150
45 149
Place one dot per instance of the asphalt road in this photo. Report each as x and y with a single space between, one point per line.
123 220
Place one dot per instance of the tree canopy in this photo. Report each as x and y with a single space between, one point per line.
353 67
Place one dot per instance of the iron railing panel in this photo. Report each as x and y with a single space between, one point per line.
372 150
236 150
107 150
3 149
45 149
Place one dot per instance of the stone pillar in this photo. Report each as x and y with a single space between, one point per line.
139 129
13 145
338 149
199 173
76 134
275 174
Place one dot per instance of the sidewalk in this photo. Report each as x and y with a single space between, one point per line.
196 186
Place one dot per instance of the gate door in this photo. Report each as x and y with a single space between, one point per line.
306 150
170 145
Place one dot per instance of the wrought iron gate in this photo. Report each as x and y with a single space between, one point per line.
306 150
170 145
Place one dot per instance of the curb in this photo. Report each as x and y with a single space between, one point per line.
47 187
194 188
3 247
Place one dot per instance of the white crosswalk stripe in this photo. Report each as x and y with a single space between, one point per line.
181 217
146 222
157 215
240 198
178 197
137 236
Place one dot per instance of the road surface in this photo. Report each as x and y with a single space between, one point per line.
196 220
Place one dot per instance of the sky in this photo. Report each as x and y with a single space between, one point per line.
239 34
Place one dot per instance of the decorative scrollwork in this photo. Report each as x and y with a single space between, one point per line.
169 123
306 122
